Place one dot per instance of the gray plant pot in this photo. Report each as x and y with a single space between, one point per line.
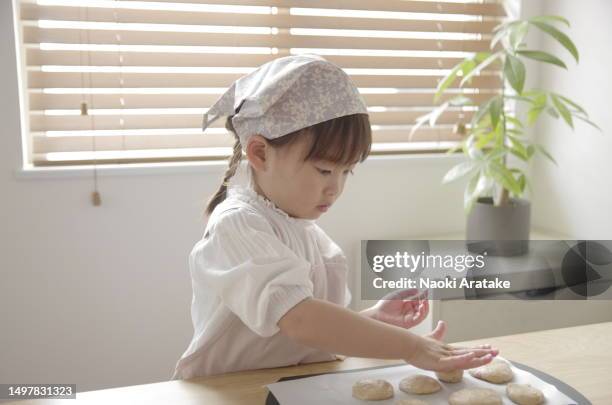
500 231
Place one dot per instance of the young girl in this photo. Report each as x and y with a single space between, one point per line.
269 286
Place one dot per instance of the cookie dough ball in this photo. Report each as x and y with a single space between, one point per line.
454 376
497 372
410 402
475 396
419 384
372 390
524 394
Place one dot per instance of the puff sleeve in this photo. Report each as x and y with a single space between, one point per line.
251 270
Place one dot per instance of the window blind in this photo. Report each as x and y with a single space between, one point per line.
146 71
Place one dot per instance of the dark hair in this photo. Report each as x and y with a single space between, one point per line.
344 140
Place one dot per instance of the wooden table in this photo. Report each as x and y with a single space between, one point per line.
581 356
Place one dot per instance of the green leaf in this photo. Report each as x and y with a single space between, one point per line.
484 140
518 33
505 25
514 121
571 103
495 110
471 150
533 114
455 148
563 39
475 188
530 151
544 152
489 60
433 115
552 112
483 185
499 134
518 155
419 123
528 183
514 69
460 100
540 100
459 171
503 176
468 194
515 133
538 97
542 57
587 121
447 81
549 19
484 121
518 149
483 110
498 36
562 109
496 153
522 180
502 33
479 57
467 66
437 112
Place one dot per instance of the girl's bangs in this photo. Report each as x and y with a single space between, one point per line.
344 141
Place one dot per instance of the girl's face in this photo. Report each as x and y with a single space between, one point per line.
303 189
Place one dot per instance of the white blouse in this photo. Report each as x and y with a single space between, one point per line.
253 264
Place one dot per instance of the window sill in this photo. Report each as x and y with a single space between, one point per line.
218 166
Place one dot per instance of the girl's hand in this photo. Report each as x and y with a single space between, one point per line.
404 308
430 353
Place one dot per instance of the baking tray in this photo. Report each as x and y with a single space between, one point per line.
560 385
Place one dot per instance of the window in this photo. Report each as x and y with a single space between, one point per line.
121 81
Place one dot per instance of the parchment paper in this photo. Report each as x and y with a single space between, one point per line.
332 389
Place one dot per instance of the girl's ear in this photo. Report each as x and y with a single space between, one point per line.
257 152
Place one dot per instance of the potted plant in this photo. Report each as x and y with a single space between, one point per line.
493 195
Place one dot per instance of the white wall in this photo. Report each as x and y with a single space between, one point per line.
100 296
576 197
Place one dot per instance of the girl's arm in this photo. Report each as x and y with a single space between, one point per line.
368 312
332 328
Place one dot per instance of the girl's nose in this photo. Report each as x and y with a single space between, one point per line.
334 186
